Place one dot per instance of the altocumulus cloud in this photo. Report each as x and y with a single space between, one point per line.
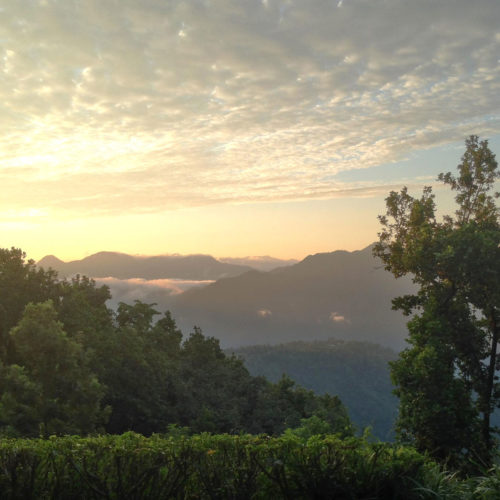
154 105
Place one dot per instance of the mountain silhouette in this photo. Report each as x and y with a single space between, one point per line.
342 294
264 263
346 295
123 266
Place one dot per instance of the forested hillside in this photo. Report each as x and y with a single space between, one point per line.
71 365
358 372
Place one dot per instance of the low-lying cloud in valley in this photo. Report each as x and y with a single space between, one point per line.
338 318
264 313
150 291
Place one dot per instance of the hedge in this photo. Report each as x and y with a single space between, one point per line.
132 466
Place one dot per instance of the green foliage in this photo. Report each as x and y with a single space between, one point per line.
21 282
284 405
72 365
154 380
309 427
358 372
210 466
446 378
50 389
19 402
81 307
437 411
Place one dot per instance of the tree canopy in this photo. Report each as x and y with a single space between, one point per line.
71 365
446 378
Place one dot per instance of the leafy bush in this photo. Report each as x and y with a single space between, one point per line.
132 466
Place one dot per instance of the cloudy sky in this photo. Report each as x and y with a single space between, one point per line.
243 127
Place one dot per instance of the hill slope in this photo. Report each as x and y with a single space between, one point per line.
357 372
342 294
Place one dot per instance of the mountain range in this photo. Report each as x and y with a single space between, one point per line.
123 266
339 294
346 295
264 263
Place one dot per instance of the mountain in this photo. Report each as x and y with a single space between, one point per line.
123 266
263 263
51 261
357 372
342 294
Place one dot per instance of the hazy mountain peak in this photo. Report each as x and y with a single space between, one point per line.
261 263
343 294
123 266
49 261
105 255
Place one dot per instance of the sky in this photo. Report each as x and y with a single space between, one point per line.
232 127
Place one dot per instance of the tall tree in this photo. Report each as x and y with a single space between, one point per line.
446 378
21 282
142 376
50 387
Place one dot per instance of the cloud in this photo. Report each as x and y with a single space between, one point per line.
158 105
159 291
338 318
264 313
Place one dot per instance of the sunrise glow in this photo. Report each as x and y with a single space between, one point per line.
232 128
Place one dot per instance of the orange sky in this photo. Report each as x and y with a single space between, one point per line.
286 230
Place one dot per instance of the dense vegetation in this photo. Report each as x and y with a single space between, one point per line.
207 466
71 365
357 372
446 379
220 467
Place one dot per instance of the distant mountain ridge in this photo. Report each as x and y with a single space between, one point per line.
123 266
343 294
264 263
339 294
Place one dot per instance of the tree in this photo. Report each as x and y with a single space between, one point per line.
142 377
21 282
69 364
81 307
446 378
285 404
20 401
217 389
49 388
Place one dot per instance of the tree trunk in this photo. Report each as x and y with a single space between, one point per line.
490 385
